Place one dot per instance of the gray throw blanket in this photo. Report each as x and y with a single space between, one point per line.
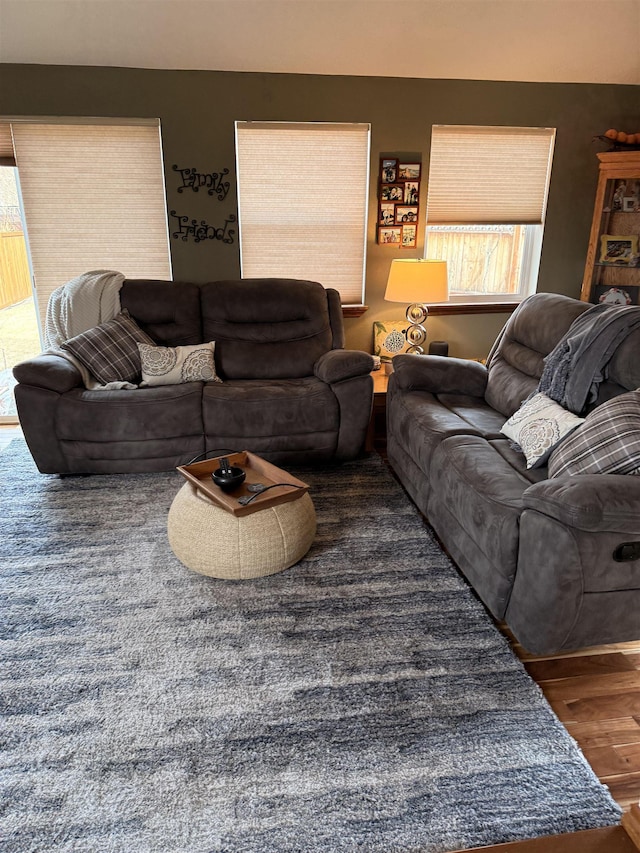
574 369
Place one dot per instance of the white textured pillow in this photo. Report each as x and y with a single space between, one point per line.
174 365
539 425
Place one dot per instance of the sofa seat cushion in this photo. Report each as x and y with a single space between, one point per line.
137 415
477 492
475 412
419 421
251 408
517 461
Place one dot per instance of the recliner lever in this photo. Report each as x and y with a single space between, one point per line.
627 551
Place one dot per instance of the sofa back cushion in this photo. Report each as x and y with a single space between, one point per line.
168 311
623 371
266 328
516 362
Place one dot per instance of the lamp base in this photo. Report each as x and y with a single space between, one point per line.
417 313
416 334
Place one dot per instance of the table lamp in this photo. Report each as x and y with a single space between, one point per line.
417 281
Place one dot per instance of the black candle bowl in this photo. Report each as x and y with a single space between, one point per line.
229 479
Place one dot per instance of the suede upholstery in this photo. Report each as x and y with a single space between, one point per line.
289 391
539 552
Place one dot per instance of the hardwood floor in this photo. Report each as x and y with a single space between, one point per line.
595 693
611 839
7 433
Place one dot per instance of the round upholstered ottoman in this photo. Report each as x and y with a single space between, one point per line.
214 542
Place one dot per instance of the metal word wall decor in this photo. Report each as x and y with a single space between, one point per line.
213 181
201 230
398 202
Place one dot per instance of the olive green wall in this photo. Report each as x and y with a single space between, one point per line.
198 109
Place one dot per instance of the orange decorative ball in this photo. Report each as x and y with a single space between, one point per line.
612 133
621 136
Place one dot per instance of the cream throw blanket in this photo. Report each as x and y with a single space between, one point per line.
80 304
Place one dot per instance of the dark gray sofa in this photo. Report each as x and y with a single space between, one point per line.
539 552
290 391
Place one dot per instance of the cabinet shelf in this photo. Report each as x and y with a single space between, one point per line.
618 188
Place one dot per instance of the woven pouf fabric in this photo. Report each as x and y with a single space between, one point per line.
214 542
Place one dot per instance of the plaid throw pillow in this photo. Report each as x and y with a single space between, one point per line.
608 442
110 351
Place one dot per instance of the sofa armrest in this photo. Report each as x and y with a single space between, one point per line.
340 364
439 374
592 502
48 371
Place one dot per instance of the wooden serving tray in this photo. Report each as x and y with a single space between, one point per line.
257 470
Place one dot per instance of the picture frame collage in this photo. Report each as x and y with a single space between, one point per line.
398 202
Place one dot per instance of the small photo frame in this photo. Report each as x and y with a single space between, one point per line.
622 250
629 204
405 213
392 192
618 194
389 236
409 171
387 214
409 236
389 171
616 295
411 192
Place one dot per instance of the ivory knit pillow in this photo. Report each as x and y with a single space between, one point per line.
538 426
174 365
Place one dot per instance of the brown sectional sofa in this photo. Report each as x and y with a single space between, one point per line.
543 554
290 391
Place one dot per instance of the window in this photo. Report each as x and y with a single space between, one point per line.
487 197
302 200
93 197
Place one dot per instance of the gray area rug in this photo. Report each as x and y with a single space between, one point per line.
361 700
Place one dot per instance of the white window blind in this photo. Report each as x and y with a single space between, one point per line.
93 197
302 197
493 175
